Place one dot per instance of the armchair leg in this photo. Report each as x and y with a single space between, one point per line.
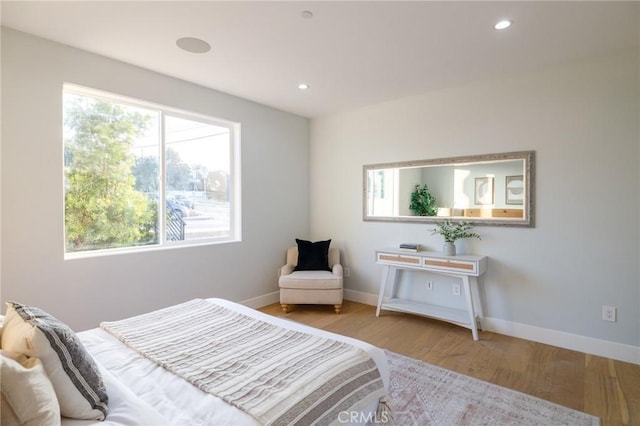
285 308
338 308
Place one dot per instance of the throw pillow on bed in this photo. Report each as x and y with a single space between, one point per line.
28 397
74 374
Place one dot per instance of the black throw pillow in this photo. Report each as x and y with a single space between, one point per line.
313 256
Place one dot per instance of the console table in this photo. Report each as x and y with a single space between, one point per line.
465 267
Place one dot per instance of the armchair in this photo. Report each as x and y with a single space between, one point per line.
315 287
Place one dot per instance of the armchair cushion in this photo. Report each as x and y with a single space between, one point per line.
313 256
319 280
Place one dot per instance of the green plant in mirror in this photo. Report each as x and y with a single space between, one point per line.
422 202
454 231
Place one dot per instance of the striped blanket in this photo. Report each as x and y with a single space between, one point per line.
278 376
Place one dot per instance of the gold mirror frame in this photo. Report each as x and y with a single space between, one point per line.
479 215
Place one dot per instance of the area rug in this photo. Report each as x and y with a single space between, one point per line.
424 395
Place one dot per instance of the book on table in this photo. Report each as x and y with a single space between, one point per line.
410 247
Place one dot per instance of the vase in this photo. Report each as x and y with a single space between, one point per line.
449 248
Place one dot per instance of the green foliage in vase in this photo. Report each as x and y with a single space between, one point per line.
454 231
422 202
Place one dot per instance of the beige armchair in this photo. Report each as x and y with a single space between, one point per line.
311 287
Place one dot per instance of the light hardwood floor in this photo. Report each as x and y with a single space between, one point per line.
600 386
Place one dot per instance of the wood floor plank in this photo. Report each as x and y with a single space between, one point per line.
613 390
603 387
629 378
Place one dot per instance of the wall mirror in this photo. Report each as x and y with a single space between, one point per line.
490 189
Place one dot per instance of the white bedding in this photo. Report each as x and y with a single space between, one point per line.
164 398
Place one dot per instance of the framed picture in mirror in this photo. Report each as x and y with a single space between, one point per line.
514 190
483 191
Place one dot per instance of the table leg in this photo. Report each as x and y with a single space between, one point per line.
472 315
477 303
383 283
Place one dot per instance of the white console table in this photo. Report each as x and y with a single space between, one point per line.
465 267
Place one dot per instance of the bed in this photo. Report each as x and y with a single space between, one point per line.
142 392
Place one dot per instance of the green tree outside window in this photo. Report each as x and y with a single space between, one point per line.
103 208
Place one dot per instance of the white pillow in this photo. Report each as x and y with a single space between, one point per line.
74 374
28 398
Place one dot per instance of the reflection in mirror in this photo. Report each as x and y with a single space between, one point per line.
493 189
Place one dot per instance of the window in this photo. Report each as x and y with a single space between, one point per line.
137 175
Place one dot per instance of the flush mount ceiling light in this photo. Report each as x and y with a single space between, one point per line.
303 86
502 25
193 45
306 14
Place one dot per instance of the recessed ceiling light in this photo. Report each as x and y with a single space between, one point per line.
193 45
502 25
306 14
303 86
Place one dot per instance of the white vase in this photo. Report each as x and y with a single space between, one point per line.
449 249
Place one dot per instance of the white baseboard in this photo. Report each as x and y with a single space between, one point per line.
575 342
260 301
360 297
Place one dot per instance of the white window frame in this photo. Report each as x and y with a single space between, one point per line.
235 223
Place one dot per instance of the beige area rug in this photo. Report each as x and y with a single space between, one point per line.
425 395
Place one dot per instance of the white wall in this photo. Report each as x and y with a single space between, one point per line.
82 292
582 121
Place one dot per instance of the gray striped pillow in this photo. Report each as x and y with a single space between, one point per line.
74 374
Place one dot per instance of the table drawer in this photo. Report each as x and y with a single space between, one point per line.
456 266
400 259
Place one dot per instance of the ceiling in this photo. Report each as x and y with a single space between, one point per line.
350 53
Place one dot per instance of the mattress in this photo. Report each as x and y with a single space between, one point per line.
143 393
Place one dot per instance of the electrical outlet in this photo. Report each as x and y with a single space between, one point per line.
456 289
609 313
429 285
347 272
